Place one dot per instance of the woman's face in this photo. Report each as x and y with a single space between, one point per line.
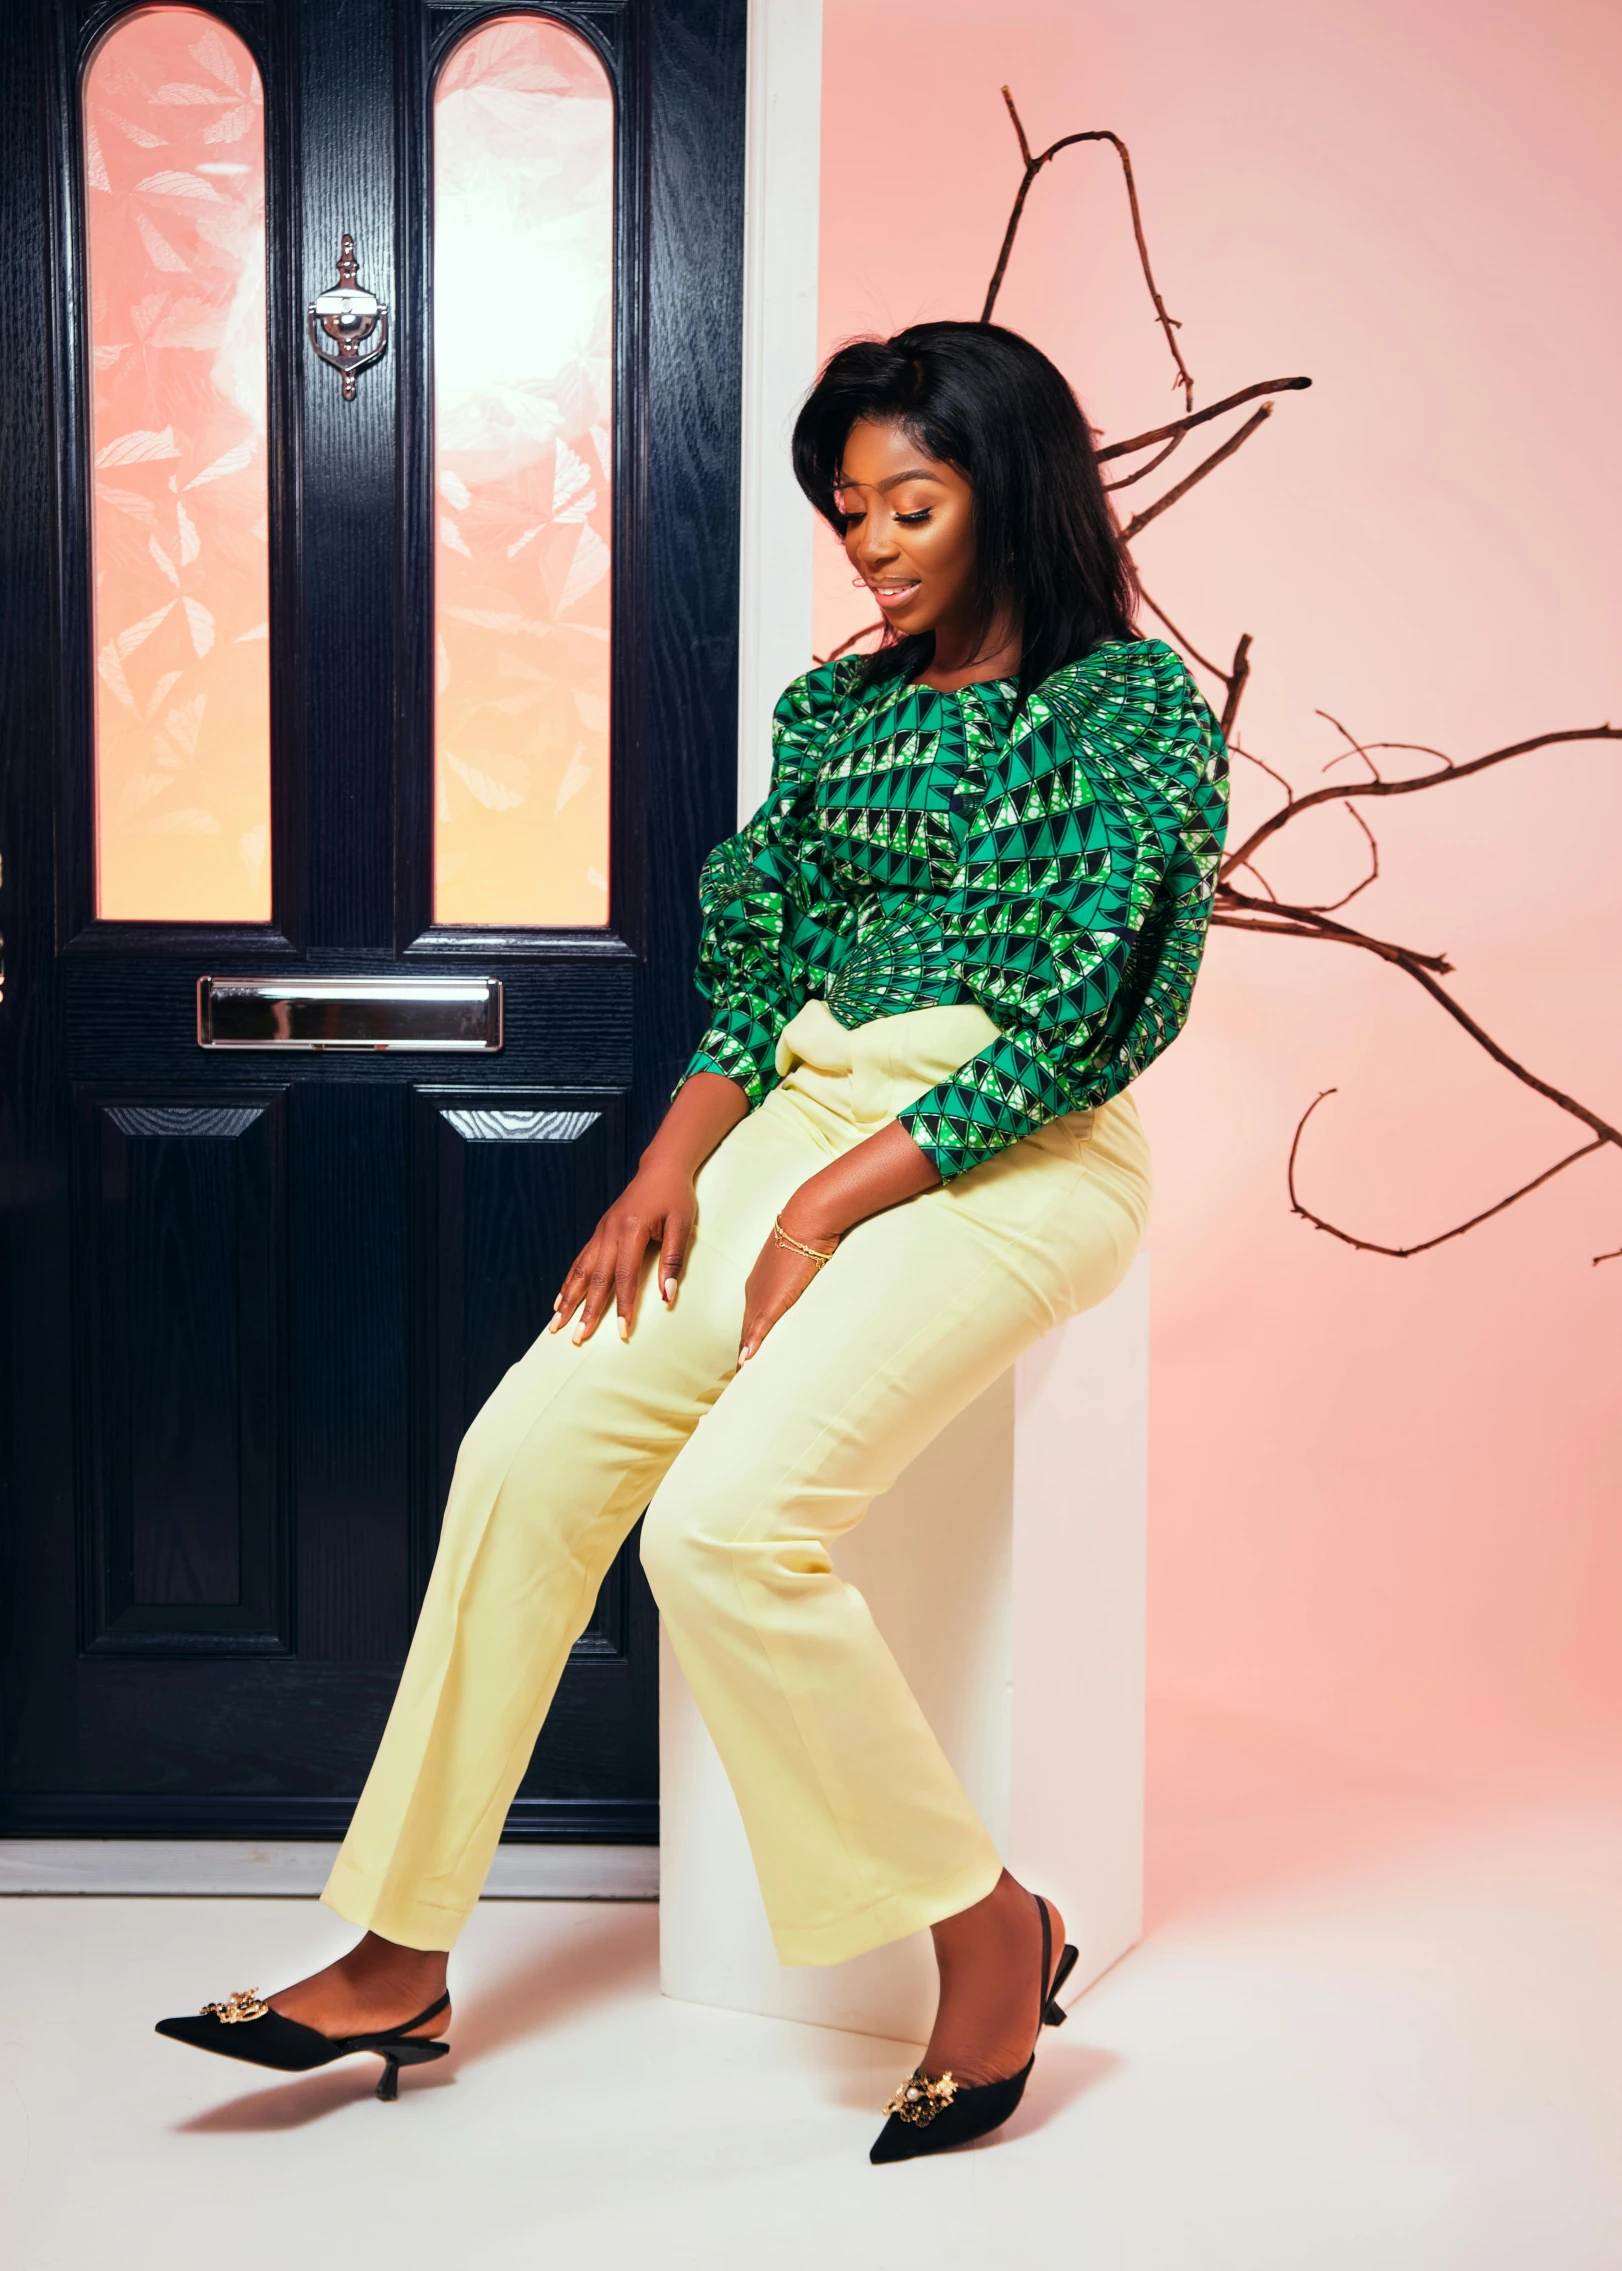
909 530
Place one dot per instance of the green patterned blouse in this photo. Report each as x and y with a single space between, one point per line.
1054 864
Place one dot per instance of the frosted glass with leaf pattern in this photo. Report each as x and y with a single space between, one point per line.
174 194
523 277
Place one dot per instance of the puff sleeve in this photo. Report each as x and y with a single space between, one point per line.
1080 907
753 889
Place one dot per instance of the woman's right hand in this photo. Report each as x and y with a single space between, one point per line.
657 1207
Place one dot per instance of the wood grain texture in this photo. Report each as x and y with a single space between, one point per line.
37 1563
181 1215
263 1744
350 488
694 382
505 1195
351 1369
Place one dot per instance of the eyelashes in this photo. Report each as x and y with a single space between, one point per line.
902 520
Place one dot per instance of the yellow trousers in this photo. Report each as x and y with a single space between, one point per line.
859 1829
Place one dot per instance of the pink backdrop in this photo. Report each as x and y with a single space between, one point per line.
1385 1494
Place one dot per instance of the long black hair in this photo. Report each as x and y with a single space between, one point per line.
1047 552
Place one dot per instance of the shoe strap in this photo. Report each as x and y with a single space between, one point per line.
432 2012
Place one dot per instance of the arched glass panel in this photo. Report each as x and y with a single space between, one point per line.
175 230
523 409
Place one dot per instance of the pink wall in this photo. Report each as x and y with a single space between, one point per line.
1387 1512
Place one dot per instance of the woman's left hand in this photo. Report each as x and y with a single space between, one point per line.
776 1282
880 1172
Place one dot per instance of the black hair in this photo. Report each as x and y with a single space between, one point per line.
972 395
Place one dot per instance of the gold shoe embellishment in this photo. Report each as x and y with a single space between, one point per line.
236 2009
919 2100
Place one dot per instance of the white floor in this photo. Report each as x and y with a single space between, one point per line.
1389 2042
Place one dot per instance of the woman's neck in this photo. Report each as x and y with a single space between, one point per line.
960 662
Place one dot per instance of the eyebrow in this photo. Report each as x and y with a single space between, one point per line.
915 473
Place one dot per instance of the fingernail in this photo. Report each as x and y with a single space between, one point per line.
744 1354
556 1326
625 1328
578 1335
670 1289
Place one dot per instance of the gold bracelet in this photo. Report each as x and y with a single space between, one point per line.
796 1246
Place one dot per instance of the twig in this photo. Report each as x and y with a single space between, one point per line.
1266 886
1405 1253
1251 758
1363 749
1312 922
1240 856
1309 922
1180 426
1130 480
1328 906
1205 466
1186 643
1237 678
1354 748
1033 166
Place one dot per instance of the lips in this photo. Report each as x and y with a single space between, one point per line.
894 594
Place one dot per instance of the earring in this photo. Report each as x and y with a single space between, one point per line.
859 583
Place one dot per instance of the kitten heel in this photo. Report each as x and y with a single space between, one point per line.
405 2054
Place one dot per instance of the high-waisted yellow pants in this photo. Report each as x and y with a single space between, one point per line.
859 1829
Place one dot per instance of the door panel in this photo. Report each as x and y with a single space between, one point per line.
182 1214
502 1184
253 1298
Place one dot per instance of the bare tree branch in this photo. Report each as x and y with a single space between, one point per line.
1425 1245
1312 922
1033 166
1424 969
1449 772
1206 465
1153 465
1180 426
1239 910
1186 643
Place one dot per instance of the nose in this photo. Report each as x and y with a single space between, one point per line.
875 545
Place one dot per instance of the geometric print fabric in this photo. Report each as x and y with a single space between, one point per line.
1053 863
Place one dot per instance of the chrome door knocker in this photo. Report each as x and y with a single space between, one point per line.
348 317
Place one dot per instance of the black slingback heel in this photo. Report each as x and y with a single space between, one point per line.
934 2115
246 2028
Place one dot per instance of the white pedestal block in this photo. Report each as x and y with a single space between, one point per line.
1006 1572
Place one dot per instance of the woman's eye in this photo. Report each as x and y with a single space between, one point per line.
911 520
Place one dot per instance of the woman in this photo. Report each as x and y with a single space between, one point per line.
968 914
